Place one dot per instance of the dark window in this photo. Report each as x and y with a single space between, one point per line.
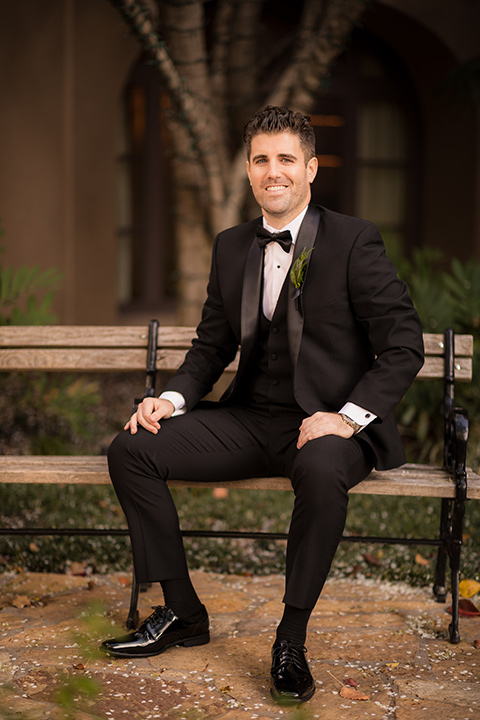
144 225
368 138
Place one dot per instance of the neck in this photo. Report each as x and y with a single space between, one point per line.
279 222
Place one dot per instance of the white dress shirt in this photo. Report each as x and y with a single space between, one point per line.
275 268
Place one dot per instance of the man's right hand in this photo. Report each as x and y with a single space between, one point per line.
149 412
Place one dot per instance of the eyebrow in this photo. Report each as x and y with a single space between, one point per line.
261 156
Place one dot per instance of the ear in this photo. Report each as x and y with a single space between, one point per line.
312 167
248 172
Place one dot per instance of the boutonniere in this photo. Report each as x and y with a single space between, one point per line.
297 276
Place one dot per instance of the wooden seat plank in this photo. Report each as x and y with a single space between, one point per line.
409 480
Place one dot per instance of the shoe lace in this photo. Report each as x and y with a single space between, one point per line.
289 652
157 618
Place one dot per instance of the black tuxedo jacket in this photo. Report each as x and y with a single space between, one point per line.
356 338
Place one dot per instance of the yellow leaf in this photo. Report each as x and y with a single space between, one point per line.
420 560
392 665
469 588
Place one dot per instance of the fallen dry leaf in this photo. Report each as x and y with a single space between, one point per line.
392 665
373 559
466 608
352 694
220 493
80 666
77 568
420 560
476 643
21 601
350 682
33 547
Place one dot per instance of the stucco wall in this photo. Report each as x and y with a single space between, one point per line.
62 69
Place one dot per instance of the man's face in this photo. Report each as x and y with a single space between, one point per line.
279 176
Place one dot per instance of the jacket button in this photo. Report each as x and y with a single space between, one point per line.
274 356
275 382
275 330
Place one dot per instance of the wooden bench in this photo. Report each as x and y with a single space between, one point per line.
153 349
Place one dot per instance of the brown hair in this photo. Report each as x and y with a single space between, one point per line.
274 119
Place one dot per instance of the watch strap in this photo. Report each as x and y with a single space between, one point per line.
351 423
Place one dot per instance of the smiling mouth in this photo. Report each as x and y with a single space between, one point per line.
275 188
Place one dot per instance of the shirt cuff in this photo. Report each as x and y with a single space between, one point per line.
177 400
358 414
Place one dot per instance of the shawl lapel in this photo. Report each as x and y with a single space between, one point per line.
305 239
250 318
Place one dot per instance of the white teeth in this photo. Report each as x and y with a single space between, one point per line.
276 187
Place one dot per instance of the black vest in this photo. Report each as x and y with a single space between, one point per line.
268 379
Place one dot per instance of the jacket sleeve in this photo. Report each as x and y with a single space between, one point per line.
383 307
213 348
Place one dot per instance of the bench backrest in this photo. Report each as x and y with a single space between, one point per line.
117 348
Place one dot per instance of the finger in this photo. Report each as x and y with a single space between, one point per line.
132 424
148 418
147 421
303 438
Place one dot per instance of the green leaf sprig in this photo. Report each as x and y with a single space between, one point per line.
297 272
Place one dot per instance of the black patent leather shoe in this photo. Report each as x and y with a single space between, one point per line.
161 630
292 681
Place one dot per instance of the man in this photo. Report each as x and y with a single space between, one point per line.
323 361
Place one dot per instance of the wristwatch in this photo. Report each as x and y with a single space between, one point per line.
355 426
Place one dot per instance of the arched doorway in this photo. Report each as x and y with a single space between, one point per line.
145 244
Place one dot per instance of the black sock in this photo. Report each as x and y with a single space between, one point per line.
293 625
180 596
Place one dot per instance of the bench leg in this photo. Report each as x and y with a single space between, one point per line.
132 619
455 550
440 586
458 421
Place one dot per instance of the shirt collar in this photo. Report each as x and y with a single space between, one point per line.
293 225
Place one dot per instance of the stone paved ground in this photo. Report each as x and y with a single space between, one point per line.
390 639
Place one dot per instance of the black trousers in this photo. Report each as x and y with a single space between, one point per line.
229 443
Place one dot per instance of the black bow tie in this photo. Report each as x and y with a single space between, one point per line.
284 239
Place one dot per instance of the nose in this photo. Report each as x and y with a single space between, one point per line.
274 169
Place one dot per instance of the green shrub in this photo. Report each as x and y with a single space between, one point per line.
26 295
42 413
443 300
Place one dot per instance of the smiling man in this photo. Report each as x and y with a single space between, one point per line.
322 365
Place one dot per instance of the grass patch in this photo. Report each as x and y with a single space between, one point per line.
96 506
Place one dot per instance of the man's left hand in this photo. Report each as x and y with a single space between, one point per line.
320 424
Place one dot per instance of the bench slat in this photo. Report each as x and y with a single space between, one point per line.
73 336
434 368
78 360
91 336
125 359
435 344
409 480
136 336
